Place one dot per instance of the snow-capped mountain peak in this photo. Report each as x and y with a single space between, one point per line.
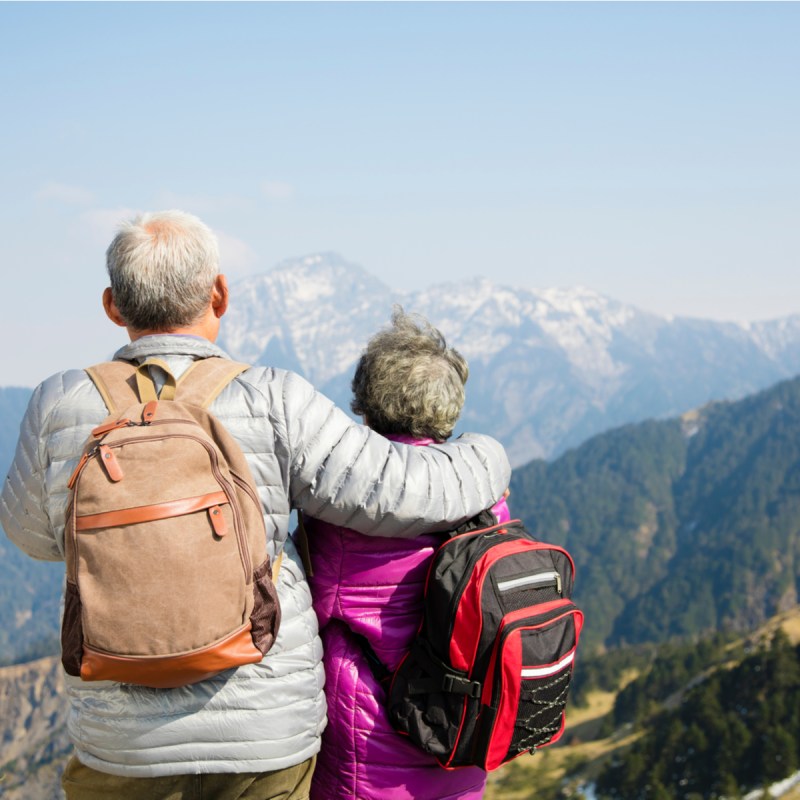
548 367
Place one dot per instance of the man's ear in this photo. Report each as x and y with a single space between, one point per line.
112 312
219 296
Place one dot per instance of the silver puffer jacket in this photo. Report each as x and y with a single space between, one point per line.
304 453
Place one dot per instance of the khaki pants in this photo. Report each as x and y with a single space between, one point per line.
84 783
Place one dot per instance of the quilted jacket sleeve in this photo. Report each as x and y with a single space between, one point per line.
60 414
348 475
22 504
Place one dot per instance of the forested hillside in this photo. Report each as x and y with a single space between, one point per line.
681 526
738 729
709 717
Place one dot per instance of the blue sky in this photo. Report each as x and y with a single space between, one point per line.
647 150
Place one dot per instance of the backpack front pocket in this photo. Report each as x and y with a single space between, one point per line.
527 682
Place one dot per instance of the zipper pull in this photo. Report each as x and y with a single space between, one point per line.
110 463
217 521
149 412
110 426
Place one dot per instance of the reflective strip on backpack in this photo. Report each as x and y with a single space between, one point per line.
543 672
537 579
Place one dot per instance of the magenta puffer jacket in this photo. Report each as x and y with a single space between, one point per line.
374 588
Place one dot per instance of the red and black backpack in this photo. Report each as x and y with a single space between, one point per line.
487 677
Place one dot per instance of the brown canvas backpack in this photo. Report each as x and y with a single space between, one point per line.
168 577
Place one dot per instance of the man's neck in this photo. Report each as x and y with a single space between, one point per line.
171 333
207 328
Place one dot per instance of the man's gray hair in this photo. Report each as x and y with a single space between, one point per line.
162 268
409 381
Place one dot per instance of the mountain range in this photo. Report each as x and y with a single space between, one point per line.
548 369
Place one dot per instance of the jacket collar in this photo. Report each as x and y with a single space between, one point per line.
167 344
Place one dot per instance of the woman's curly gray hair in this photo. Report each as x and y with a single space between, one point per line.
409 381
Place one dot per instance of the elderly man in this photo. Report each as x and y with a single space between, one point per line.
252 731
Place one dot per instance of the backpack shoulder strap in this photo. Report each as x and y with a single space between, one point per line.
483 519
116 382
300 537
205 379
122 384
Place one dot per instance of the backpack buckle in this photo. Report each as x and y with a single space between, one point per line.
458 685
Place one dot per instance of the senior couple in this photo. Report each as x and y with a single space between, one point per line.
371 493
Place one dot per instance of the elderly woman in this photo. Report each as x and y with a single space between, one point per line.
408 386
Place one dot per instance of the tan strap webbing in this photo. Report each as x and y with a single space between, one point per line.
276 567
116 382
147 386
122 384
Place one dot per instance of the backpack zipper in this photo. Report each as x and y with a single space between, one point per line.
476 556
244 553
503 529
457 598
244 486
